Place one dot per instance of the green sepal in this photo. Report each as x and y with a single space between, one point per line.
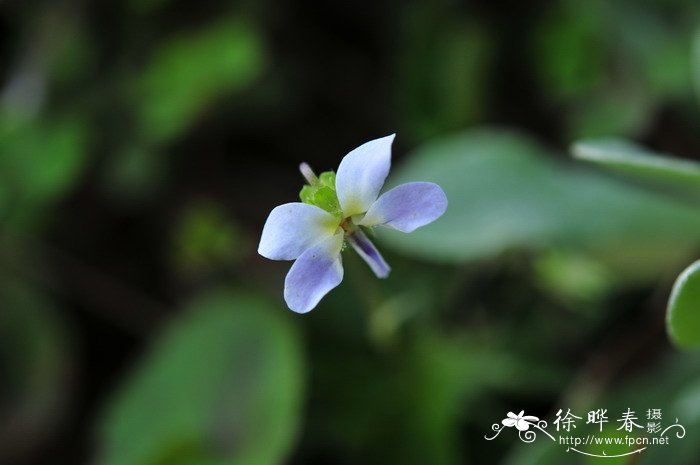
322 194
327 179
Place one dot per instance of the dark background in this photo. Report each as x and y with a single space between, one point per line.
143 143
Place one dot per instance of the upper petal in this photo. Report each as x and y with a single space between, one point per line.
407 207
361 175
314 274
294 227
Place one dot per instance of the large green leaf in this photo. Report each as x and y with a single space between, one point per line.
223 385
504 192
684 308
628 157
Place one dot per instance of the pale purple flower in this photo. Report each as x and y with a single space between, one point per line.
314 234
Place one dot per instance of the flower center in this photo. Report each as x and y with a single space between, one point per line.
347 225
320 191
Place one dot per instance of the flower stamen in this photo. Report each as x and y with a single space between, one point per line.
308 174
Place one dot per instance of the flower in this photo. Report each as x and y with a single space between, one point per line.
522 423
334 210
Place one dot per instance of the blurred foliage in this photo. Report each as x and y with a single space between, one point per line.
141 142
679 176
39 162
629 158
188 73
222 385
444 67
683 315
205 238
574 276
612 64
505 194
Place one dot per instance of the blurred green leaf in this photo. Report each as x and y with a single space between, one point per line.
434 384
444 69
657 42
627 157
572 276
622 108
683 317
455 372
222 385
40 161
505 193
577 46
570 47
189 73
206 237
610 65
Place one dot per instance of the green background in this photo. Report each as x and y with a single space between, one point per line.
144 142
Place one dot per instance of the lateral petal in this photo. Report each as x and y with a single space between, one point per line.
407 207
294 227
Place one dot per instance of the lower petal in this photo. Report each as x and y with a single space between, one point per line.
407 207
369 253
318 270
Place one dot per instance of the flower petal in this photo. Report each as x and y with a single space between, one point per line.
316 271
407 207
509 422
294 227
361 175
369 253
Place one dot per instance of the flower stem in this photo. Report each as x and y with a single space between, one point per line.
308 174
